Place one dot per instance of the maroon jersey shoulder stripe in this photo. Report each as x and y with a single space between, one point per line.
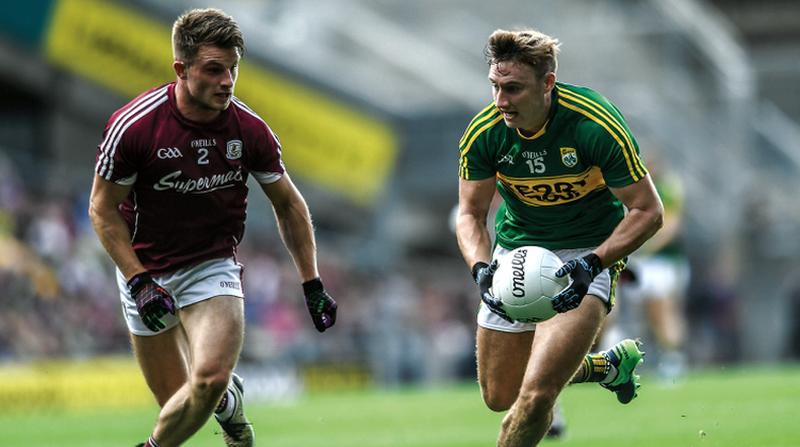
118 116
246 108
129 115
238 102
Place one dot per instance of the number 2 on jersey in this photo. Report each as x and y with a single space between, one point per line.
203 156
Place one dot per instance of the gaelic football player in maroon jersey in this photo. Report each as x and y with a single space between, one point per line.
168 204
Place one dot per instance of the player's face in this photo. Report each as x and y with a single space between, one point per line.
210 78
520 95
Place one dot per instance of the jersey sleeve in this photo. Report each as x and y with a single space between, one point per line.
475 160
117 156
608 143
264 155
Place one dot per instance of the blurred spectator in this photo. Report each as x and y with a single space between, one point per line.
714 316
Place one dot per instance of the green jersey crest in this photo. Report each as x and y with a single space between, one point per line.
569 156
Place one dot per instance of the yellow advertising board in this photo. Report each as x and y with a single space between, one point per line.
68 385
324 140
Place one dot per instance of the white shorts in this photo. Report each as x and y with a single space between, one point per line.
187 286
601 287
657 277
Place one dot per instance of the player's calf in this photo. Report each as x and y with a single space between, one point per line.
237 431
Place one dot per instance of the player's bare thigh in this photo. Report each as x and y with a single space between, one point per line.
215 331
559 348
166 359
502 358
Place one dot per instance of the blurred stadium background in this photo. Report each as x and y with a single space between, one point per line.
369 99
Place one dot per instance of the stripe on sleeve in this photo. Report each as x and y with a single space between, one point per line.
635 163
485 127
108 146
463 169
486 114
600 115
109 169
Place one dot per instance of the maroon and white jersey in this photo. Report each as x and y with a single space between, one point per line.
189 194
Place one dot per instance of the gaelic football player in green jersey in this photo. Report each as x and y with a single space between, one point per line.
568 168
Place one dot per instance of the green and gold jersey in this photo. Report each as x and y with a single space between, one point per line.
555 183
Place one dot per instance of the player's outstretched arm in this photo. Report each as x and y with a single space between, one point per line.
152 301
297 232
111 229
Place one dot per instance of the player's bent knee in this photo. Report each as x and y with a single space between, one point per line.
498 398
210 384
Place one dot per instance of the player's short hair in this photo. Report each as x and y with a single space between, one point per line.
527 46
199 27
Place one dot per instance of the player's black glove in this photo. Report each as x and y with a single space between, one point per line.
152 300
320 305
483 274
583 271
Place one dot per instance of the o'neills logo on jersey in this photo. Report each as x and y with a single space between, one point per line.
203 142
200 185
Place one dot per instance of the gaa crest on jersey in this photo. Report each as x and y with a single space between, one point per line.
234 150
569 156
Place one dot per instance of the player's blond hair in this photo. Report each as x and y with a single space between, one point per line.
199 27
527 46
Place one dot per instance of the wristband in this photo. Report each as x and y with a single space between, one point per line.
476 267
313 285
138 280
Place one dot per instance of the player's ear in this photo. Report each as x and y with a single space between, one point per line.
549 81
180 69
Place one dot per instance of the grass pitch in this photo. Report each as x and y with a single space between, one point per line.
723 407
